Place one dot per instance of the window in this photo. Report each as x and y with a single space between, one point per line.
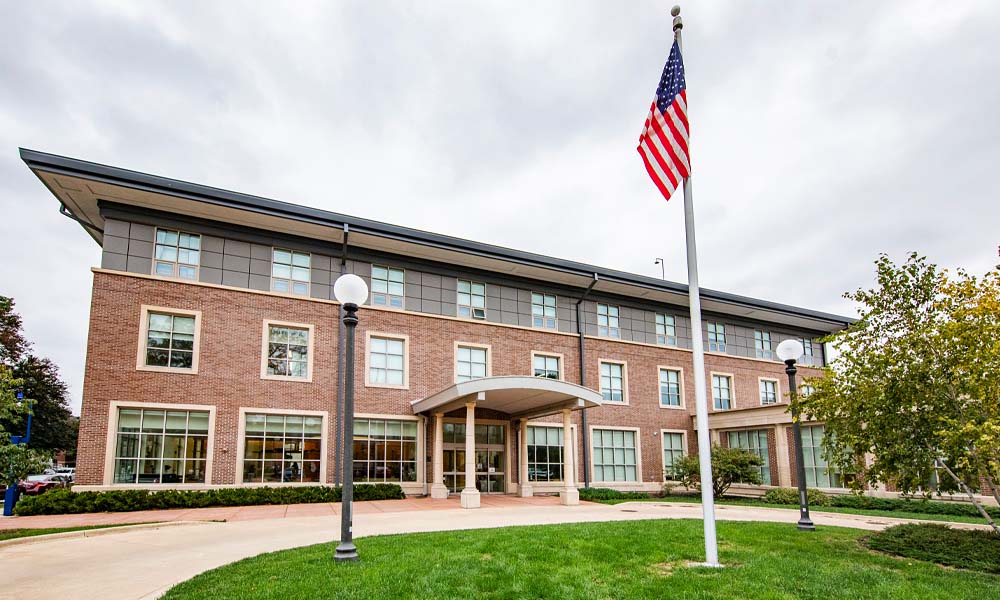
762 342
177 254
545 454
768 391
755 441
288 351
673 449
161 446
282 448
471 362
471 299
169 341
614 455
387 286
290 271
387 361
722 392
546 365
670 387
807 390
716 337
385 451
607 321
666 330
613 382
818 472
543 311
808 358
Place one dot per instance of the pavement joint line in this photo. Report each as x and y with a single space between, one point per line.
96 532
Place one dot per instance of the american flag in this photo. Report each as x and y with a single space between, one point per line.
663 144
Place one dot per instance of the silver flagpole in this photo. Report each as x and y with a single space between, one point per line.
700 396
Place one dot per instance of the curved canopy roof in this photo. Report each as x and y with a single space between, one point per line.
520 396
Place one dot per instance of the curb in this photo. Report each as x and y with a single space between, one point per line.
50 537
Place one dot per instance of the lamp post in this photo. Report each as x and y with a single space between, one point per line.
789 351
663 267
351 291
22 439
11 494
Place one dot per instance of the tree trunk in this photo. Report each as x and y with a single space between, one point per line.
993 487
972 497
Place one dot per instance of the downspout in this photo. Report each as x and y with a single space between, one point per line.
339 428
583 381
66 212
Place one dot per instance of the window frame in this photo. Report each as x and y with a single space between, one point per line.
291 282
555 355
732 389
765 456
406 359
777 390
624 366
458 305
663 448
719 346
638 455
808 358
389 296
617 329
241 444
760 352
140 356
176 263
672 325
555 307
680 387
265 338
473 345
553 482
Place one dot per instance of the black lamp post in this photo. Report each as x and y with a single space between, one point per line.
351 291
790 351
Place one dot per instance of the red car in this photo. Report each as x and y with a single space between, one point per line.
37 484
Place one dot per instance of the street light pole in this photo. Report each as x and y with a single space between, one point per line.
790 351
12 493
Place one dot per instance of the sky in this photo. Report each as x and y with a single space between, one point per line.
822 133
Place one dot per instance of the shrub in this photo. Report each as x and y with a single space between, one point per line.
791 496
911 505
977 550
603 494
729 465
58 502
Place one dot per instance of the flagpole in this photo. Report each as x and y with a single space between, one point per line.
698 347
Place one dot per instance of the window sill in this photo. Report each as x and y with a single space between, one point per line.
388 386
672 407
177 370
285 378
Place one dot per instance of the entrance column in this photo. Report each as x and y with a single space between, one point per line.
784 456
569 495
524 486
438 489
470 495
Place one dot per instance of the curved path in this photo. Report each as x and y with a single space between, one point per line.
144 563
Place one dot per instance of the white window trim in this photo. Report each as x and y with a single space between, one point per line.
663 449
140 355
778 398
559 483
109 449
406 359
725 335
291 282
241 432
177 264
542 326
680 382
556 355
387 305
454 358
638 454
675 336
265 335
732 390
421 422
618 308
624 364
472 310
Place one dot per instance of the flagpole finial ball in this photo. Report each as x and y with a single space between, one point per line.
676 10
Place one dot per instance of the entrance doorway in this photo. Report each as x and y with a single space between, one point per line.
491 446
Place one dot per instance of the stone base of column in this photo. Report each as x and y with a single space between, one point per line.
569 497
470 498
439 491
525 490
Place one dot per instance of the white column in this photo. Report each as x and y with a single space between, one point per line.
470 495
438 489
783 453
569 495
524 486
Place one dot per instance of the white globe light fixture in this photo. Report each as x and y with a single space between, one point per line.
789 350
350 289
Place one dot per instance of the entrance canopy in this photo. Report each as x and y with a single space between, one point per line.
519 396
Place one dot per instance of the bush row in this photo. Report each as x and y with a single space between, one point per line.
966 549
910 505
791 496
60 502
599 494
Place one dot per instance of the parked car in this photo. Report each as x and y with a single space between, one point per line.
37 484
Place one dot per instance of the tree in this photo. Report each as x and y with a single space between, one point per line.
13 345
729 465
915 383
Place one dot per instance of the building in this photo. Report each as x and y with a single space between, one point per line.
214 351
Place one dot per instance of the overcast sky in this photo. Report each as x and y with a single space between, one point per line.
823 133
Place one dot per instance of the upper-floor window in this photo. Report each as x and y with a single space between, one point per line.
670 387
387 286
807 390
716 336
471 299
613 382
762 342
177 254
290 271
666 330
607 321
287 351
170 340
471 362
808 358
545 365
768 391
387 361
722 392
543 310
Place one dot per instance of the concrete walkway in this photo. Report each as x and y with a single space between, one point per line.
142 564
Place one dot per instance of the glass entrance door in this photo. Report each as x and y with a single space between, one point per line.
490 458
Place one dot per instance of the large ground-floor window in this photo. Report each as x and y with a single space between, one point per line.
614 455
754 440
385 450
161 446
818 472
545 453
282 448
673 450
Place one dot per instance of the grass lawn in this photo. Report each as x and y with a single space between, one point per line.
9 534
625 559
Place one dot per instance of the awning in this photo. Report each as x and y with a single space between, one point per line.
518 396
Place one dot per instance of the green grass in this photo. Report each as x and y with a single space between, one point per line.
620 560
10 534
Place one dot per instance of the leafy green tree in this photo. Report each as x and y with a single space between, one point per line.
913 395
17 462
729 465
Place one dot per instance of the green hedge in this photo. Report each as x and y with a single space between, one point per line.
791 496
61 502
927 507
978 550
599 494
